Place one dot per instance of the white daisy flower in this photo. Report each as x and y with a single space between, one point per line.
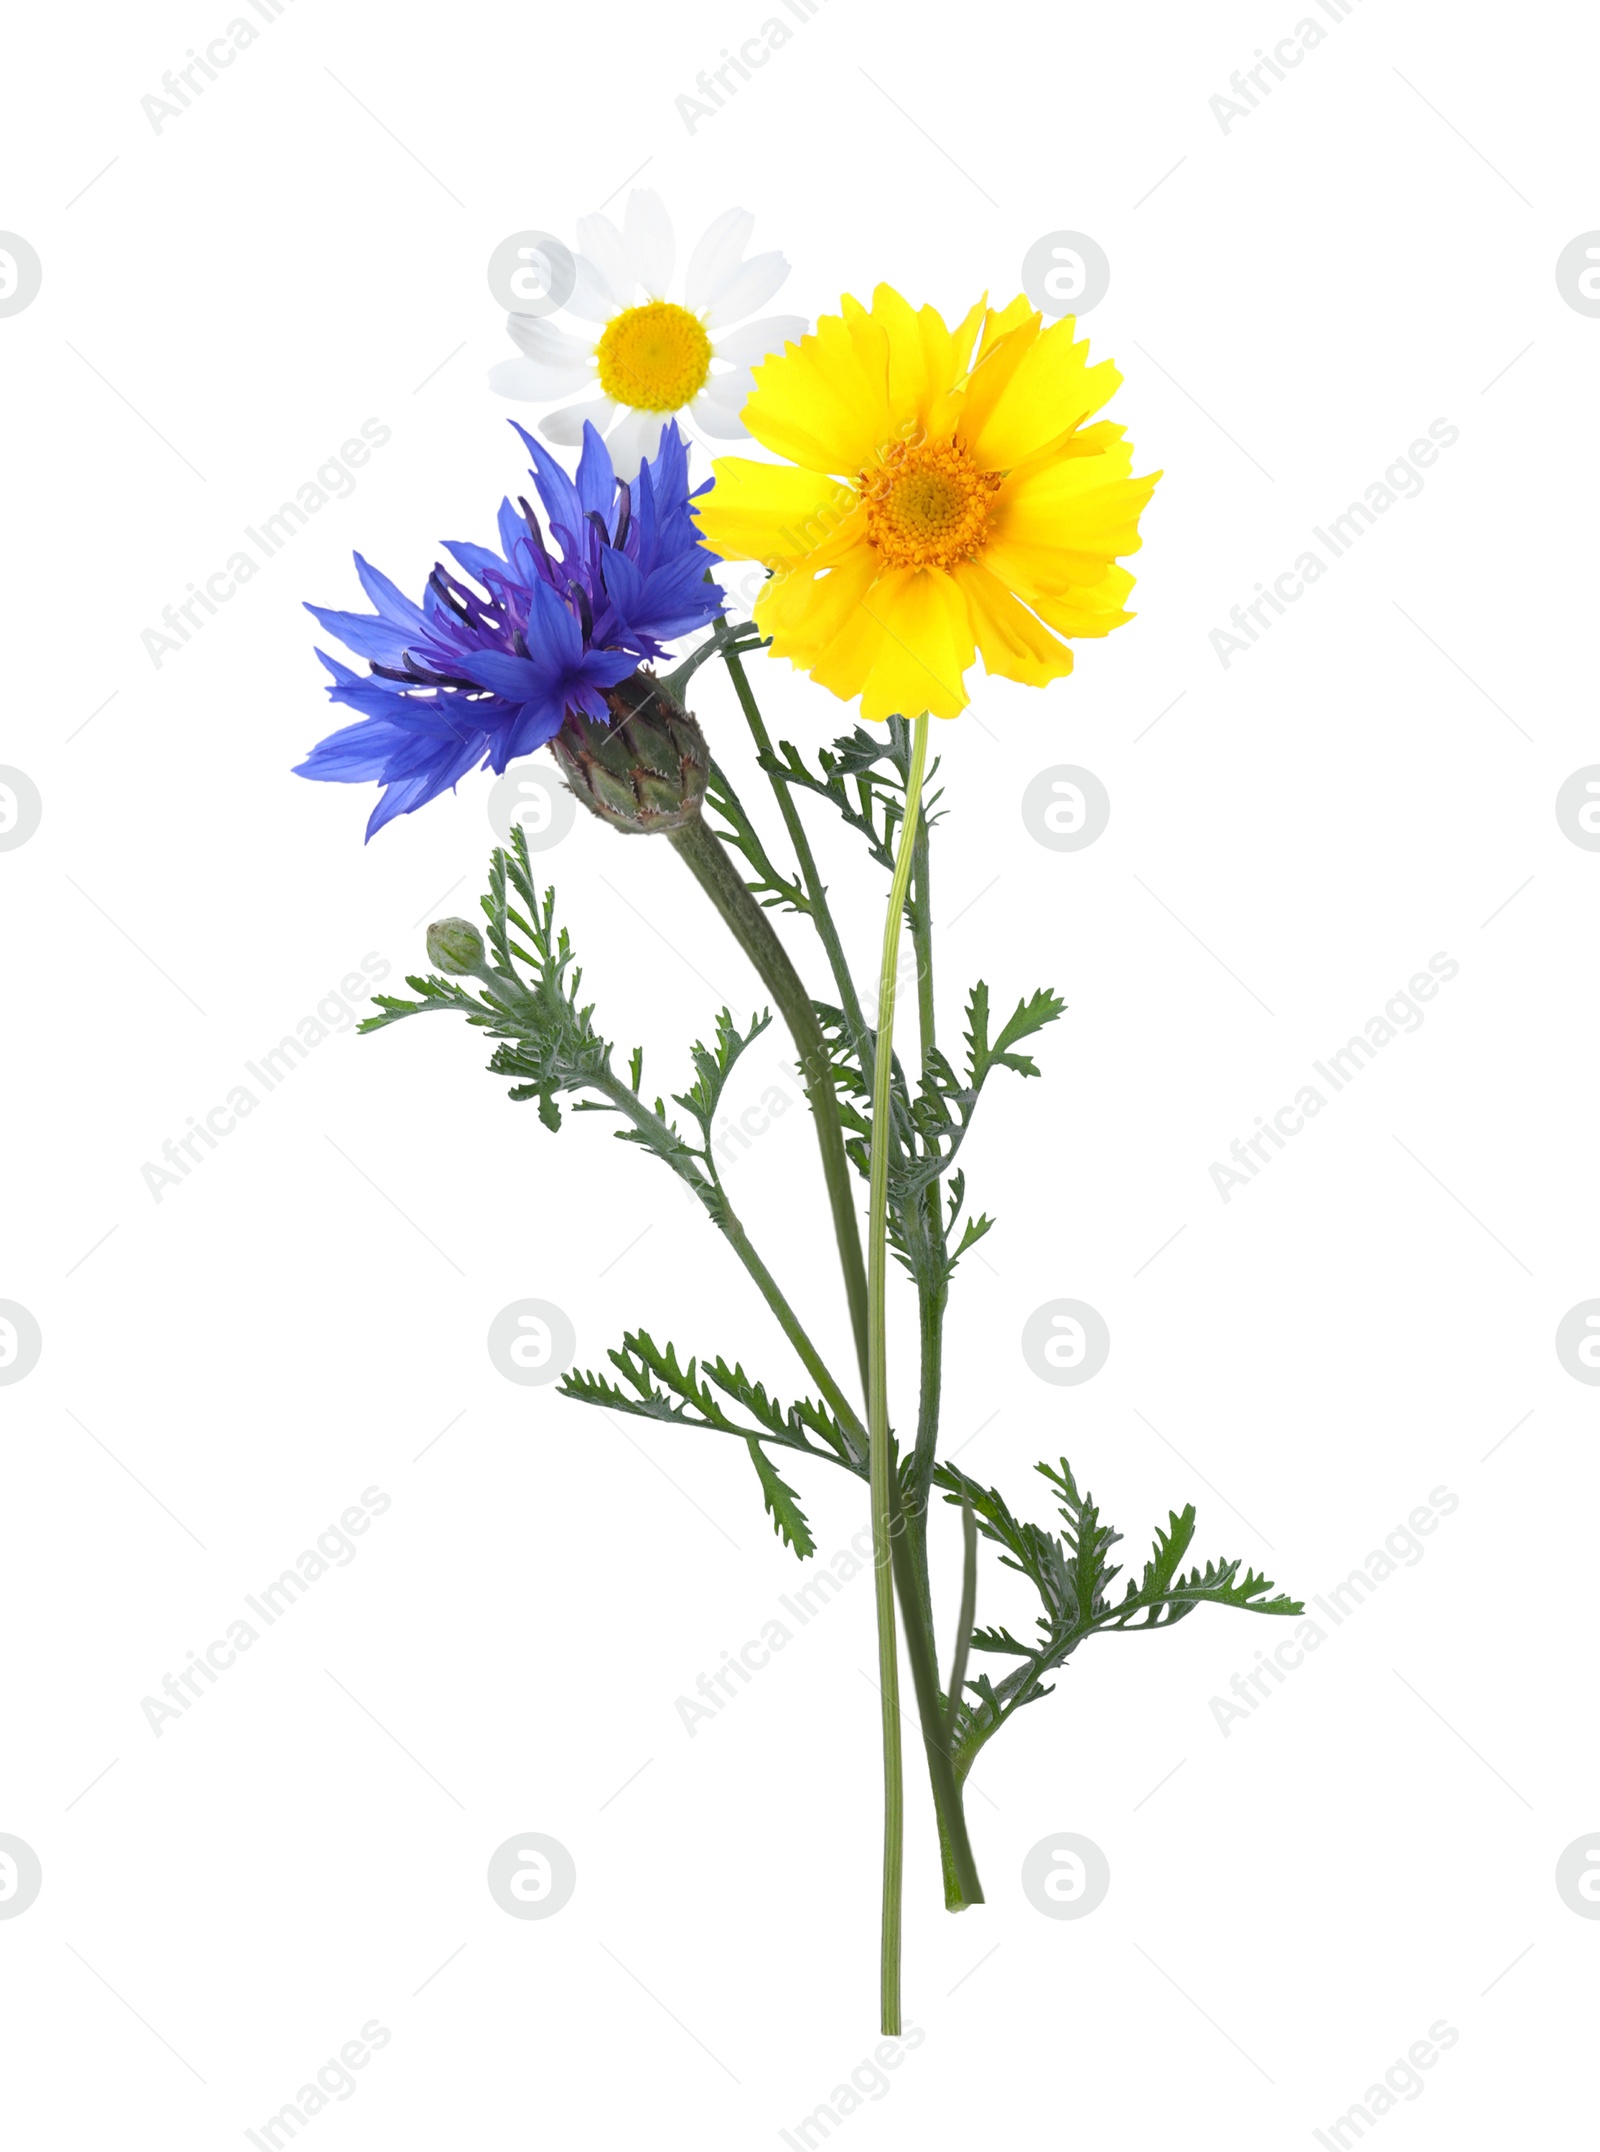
652 356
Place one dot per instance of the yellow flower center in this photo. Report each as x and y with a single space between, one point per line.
655 357
928 505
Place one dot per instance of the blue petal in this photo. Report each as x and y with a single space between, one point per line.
519 680
476 559
392 603
597 482
538 722
549 619
624 584
512 529
555 489
368 634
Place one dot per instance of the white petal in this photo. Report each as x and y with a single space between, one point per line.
716 409
750 286
715 258
647 233
566 425
636 439
592 298
601 243
532 381
756 339
541 339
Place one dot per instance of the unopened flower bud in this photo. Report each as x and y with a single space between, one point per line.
456 946
644 770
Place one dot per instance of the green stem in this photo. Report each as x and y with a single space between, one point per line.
961 1885
909 1545
687 1165
969 1611
931 1299
822 916
882 1462
912 1582
703 853
922 941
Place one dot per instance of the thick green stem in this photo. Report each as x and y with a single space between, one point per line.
707 860
931 1298
909 1534
957 1895
882 1459
912 1581
961 1885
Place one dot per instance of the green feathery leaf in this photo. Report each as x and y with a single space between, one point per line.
1073 1578
782 1503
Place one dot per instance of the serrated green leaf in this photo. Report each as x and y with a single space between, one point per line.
715 1064
1072 1577
658 1385
782 1503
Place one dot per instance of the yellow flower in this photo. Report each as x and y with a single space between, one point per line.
938 501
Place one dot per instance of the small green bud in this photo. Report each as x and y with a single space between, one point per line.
456 946
645 769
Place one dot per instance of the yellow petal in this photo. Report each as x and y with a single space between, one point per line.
926 359
997 361
926 648
902 648
824 402
804 611
772 512
999 322
1087 609
1084 504
1013 644
1033 389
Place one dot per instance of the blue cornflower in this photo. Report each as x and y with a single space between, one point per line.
467 680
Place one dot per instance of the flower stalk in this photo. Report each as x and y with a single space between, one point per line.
880 1454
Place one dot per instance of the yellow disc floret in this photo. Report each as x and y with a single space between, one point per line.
655 357
927 506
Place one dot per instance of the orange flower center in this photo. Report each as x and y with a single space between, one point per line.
928 505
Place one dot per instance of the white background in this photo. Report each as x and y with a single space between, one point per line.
1294 302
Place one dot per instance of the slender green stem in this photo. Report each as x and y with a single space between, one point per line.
882 1461
821 913
686 1164
922 941
704 854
